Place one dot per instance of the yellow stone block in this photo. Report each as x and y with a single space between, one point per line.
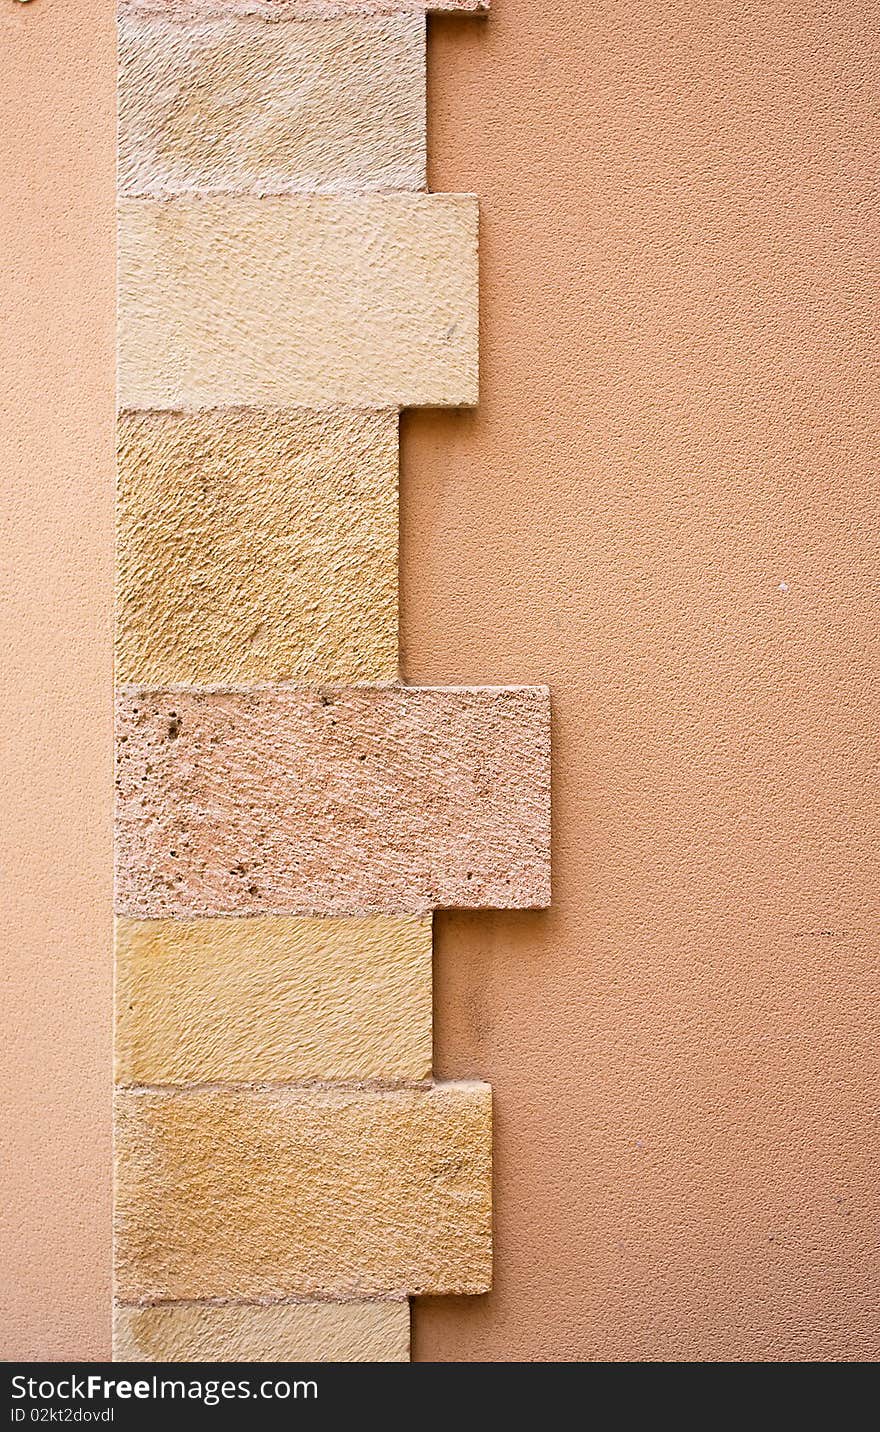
257 546
236 105
264 1194
308 301
278 1332
273 999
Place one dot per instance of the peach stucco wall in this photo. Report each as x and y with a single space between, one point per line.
663 507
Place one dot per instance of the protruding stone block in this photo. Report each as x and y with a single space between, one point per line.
286 800
263 1194
309 301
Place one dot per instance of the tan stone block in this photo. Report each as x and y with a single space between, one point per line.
230 105
257 546
263 1194
288 800
304 301
272 999
249 1332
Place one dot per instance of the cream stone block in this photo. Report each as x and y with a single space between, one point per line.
249 1332
232 106
271 999
256 546
262 1194
300 801
306 301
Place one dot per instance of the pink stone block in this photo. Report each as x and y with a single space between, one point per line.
292 800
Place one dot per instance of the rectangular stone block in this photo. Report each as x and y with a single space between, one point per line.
273 999
249 1332
298 301
256 545
287 800
237 106
262 1194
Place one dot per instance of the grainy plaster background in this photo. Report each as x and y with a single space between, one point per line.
664 507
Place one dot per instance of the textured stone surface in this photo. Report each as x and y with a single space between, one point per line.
231 105
311 301
231 1193
296 801
295 9
277 1332
256 546
272 999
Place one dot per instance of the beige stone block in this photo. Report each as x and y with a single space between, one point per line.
293 800
257 546
277 1332
272 999
232 106
306 301
262 1194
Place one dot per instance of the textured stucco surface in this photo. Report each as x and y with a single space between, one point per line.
231 1193
56 512
298 300
678 416
239 105
256 546
290 800
278 1332
676 525
271 998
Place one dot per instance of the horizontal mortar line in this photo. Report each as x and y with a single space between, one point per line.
195 14
344 409
204 191
340 687
349 409
232 1086
184 688
357 196
295 1301
358 915
284 912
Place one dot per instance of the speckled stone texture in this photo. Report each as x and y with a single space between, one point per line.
231 105
261 999
250 1332
256 546
280 1192
289 800
298 300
